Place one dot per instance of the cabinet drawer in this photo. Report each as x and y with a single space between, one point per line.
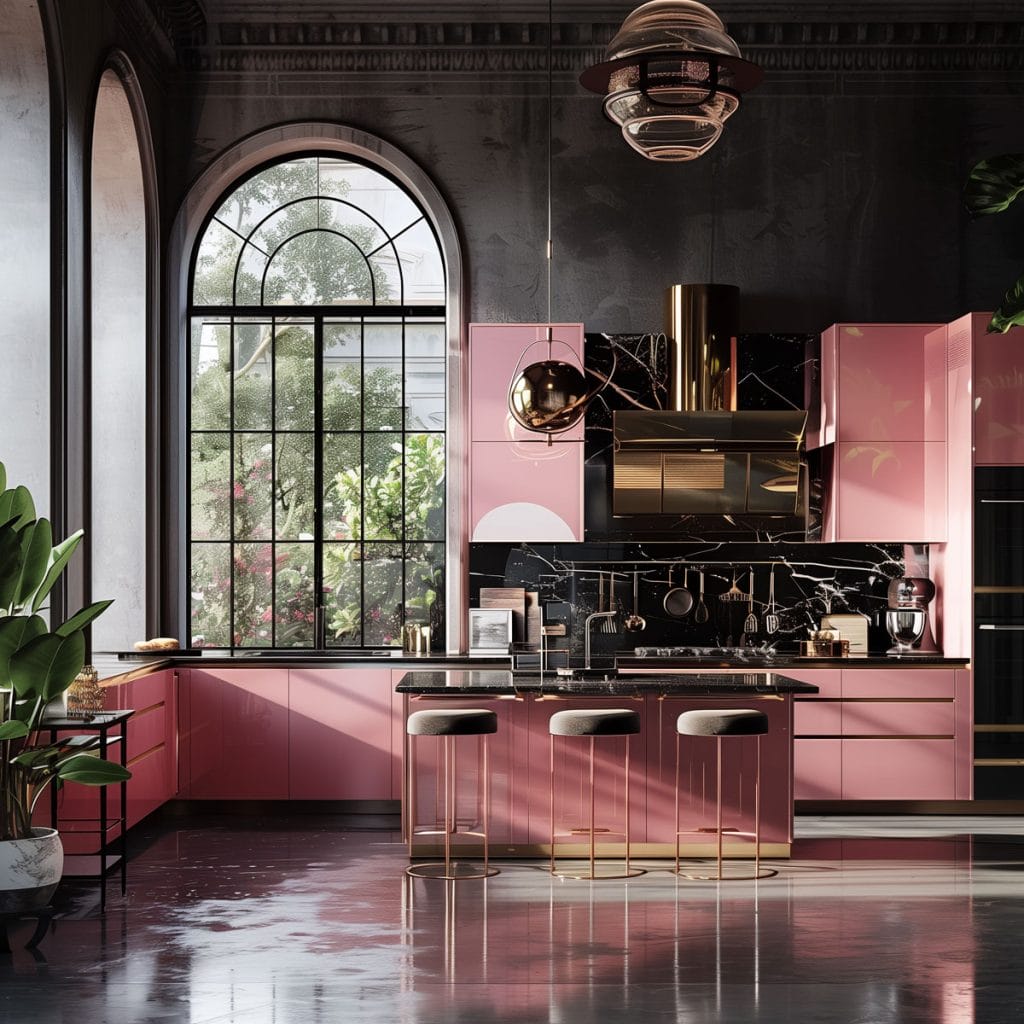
898 770
817 769
898 682
898 718
827 680
817 718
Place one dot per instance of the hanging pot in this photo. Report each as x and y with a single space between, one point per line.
30 870
678 601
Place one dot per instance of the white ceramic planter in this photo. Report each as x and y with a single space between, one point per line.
30 870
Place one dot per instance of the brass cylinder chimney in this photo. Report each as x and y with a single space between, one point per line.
701 322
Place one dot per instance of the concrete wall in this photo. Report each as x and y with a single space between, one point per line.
835 192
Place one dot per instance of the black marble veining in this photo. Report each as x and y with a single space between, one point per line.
506 683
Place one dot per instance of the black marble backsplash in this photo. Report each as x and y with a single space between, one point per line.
810 581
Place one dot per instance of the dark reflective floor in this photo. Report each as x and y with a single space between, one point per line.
297 921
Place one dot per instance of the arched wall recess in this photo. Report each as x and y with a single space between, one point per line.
121 397
25 256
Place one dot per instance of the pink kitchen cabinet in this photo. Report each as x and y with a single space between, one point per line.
526 491
817 732
521 488
494 352
891 491
340 735
880 383
998 393
891 769
234 726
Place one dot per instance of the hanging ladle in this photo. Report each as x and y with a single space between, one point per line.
635 622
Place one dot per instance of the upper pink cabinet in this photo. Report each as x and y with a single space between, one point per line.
495 350
521 488
882 382
998 391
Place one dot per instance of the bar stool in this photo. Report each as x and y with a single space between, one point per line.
592 723
722 724
450 724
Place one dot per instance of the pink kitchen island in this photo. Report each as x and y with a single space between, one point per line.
519 757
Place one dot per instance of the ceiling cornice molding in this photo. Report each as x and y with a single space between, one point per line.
606 11
519 50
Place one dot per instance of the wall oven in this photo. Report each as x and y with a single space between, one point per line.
999 633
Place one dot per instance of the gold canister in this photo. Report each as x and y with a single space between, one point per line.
85 695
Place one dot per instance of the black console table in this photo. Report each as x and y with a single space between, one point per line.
104 725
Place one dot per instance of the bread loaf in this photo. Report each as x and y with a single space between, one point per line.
157 643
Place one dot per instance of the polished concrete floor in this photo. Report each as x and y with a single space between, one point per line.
307 920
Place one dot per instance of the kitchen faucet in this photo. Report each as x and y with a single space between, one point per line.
586 633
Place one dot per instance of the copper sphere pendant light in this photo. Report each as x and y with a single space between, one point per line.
550 396
671 78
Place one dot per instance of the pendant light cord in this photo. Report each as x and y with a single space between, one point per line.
550 243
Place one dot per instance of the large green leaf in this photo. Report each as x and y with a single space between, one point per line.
58 559
17 502
993 184
83 617
3 478
45 666
1011 312
92 771
13 730
10 565
36 547
15 632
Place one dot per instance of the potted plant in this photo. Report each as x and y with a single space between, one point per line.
992 186
37 665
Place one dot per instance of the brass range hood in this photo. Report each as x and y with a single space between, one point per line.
701 456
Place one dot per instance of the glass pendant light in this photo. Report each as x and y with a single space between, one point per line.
672 76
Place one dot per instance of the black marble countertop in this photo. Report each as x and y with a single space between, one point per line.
112 668
463 681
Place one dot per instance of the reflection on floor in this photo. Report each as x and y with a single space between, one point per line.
296 921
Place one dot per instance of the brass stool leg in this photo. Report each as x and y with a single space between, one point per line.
627 805
757 811
718 771
592 822
551 796
677 803
487 807
449 770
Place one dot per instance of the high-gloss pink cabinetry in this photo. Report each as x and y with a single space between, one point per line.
882 734
526 491
298 734
888 491
882 382
883 404
339 734
234 734
521 488
998 394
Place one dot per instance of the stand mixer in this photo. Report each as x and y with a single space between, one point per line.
906 618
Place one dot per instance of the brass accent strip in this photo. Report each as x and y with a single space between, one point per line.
999 590
871 736
146 710
999 728
990 762
578 851
876 700
146 753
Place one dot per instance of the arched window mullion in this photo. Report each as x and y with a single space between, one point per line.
314 231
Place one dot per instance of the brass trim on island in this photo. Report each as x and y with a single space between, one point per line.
581 851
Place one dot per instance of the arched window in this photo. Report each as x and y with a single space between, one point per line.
317 411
